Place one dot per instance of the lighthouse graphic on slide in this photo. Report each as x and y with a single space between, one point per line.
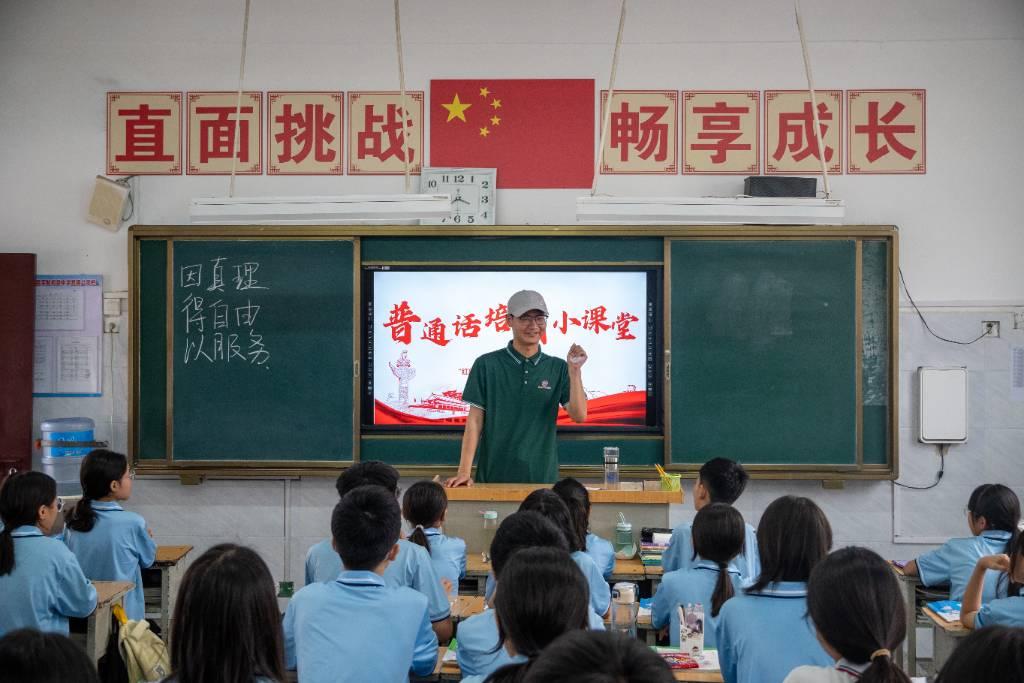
404 371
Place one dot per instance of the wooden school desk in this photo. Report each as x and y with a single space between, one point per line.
167 569
466 606
906 653
947 635
98 624
624 570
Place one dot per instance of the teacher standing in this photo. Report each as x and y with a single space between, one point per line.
514 394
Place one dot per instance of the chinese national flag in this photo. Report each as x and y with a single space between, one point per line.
538 133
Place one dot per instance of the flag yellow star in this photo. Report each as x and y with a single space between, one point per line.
456 109
484 92
496 103
484 132
495 120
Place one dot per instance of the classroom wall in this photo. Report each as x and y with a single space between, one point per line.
961 244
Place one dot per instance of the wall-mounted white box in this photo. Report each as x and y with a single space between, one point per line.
943 404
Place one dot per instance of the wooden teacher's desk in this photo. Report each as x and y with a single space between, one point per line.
642 508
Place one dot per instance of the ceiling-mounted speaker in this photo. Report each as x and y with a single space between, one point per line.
107 204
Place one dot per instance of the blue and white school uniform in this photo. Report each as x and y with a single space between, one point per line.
115 549
411 567
763 636
603 554
679 554
686 586
356 629
844 671
1003 611
45 587
600 591
448 555
954 563
477 637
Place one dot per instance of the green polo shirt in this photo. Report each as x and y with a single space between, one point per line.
520 398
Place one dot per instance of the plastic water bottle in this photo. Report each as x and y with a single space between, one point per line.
490 526
625 608
611 467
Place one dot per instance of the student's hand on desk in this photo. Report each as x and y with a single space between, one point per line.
1000 563
459 480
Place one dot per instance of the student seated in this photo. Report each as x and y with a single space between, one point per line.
598 657
543 595
764 633
1008 611
480 652
227 625
993 513
576 498
719 480
111 544
411 567
41 583
993 653
854 600
549 504
718 538
358 628
424 506
30 656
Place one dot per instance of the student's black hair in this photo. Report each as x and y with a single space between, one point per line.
599 657
542 595
793 536
227 623
724 479
527 529
30 656
20 499
999 506
993 653
368 473
551 505
366 524
1016 553
576 498
423 505
99 469
854 600
718 536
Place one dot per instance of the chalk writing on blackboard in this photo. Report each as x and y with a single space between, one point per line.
219 321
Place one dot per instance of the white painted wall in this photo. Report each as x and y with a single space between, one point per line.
961 235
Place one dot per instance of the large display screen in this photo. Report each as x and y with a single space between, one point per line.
425 327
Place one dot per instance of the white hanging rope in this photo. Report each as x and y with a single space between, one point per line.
814 99
237 147
401 84
611 95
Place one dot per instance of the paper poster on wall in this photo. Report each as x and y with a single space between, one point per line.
1017 373
68 335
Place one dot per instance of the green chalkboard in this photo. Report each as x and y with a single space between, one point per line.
763 352
779 345
262 350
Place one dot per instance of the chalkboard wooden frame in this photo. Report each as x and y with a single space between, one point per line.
375 446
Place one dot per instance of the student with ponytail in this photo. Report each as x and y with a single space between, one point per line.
993 513
111 544
424 507
576 498
1008 611
543 595
718 532
763 632
41 584
854 600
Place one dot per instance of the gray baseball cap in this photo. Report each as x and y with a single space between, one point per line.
526 300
